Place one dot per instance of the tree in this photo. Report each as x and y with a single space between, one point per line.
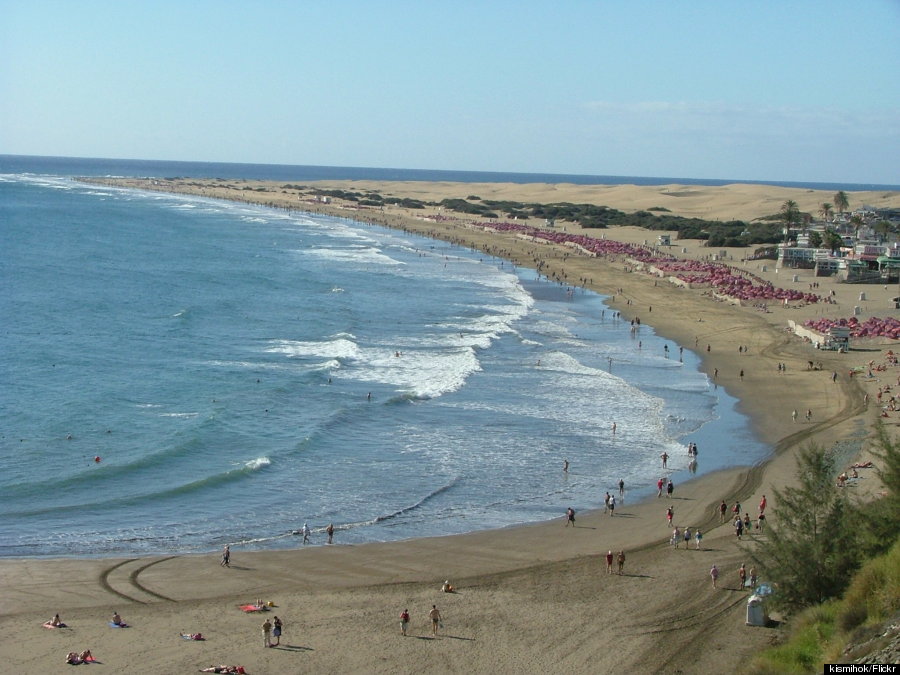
832 240
826 210
880 519
883 227
790 213
815 239
841 203
857 223
811 552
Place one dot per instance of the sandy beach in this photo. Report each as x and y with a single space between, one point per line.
529 599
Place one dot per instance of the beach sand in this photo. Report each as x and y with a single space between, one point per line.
531 599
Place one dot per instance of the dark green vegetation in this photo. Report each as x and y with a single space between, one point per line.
714 232
841 631
835 561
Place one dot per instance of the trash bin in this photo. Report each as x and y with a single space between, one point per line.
756 611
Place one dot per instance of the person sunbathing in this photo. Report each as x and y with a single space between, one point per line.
221 669
86 656
117 620
192 636
55 621
73 659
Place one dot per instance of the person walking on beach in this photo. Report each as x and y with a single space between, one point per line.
670 488
742 576
267 633
738 528
620 560
404 621
609 562
621 488
723 510
670 513
659 486
762 505
612 504
435 616
330 532
606 502
570 517
714 575
665 459
698 537
305 532
687 538
277 626
226 556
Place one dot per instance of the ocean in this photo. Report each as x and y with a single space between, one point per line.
179 373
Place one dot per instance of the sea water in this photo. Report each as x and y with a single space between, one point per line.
239 370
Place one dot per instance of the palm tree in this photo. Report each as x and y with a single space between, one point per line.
857 223
841 202
790 213
826 210
833 240
882 227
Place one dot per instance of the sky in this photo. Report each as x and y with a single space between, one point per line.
764 90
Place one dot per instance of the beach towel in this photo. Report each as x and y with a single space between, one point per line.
118 625
192 636
47 624
252 608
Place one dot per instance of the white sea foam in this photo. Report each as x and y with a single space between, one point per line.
567 363
422 373
335 348
258 463
365 255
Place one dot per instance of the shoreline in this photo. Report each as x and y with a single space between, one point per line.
356 590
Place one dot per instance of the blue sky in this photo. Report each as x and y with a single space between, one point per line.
805 91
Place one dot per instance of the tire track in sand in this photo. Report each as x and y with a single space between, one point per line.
135 588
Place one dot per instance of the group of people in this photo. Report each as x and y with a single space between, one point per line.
610 503
665 484
272 629
434 614
746 579
76 658
678 536
620 562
